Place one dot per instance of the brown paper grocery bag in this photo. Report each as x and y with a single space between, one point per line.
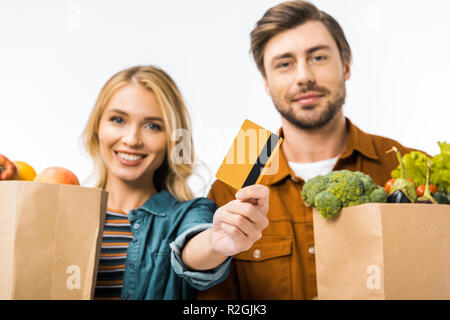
50 239
384 251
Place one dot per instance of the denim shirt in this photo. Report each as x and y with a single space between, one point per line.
161 227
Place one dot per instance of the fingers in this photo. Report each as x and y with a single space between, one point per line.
247 228
239 223
245 219
249 212
256 191
236 234
256 194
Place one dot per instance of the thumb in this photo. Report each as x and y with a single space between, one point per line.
257 194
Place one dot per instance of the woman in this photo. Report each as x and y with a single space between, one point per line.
159 242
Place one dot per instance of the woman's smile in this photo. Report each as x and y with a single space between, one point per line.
130 159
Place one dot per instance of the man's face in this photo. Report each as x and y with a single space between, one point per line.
305 75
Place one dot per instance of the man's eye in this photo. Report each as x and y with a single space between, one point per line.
284 65
319 58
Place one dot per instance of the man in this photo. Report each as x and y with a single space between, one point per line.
304 59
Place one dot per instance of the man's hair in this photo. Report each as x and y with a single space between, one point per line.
288 15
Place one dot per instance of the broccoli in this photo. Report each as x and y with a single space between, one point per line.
346 186
378 195
313 187
327 204
361 200
339 189
367 181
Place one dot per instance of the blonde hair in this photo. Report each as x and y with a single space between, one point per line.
170 175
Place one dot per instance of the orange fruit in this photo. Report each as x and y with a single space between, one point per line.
24 171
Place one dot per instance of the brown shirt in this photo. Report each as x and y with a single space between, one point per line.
281 265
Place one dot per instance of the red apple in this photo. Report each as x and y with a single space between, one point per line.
57 175
7 168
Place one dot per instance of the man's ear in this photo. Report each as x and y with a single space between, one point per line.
266 85
347 72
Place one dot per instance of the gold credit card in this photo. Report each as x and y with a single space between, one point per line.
249 157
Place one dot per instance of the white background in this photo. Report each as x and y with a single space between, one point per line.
55 55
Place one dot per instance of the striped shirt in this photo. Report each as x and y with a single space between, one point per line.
116 238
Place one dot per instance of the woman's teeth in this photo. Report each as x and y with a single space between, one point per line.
129 157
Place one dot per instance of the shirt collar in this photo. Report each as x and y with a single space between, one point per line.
357 141
160 203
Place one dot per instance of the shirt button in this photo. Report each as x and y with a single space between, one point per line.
312 250
136 226
257 254
134 240
131 264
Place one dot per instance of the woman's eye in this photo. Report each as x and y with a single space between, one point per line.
116 119
154 126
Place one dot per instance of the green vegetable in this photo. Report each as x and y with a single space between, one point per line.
338 189
427 197
313 187
361 200
415 164
378 195
402 184
367 181
346 186
327 203
440 168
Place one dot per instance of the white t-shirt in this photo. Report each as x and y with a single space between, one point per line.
309 170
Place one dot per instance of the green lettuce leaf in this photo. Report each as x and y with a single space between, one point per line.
415 164
440 168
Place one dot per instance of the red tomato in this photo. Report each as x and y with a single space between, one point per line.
433 188
7 168
420 190
388 185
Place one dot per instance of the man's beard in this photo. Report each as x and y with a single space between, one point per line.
330 111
